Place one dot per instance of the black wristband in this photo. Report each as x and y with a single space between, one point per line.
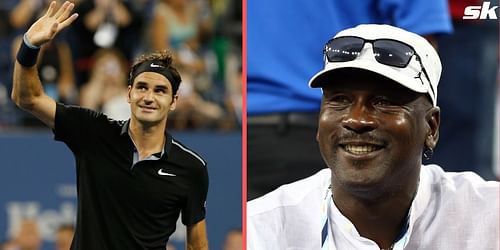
27 56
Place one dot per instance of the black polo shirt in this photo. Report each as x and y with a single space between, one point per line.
122 205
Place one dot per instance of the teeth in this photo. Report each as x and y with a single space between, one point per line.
360 149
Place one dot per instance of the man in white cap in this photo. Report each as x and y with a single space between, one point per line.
378 117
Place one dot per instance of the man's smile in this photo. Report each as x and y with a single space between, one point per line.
361 148
147 108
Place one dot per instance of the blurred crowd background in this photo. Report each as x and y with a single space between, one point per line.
88 63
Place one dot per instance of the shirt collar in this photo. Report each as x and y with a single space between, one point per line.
418 206
125 126
168 138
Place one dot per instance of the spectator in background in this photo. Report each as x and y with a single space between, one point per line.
282 56
103 24
56 72
226 46
470 56
64 236
233 100
146 8
8 245
106 90
233 240
192 109
28 236
179 26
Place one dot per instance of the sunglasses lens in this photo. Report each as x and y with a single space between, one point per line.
392 53
343 49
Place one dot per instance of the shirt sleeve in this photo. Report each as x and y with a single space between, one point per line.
423 17
73 125
195 207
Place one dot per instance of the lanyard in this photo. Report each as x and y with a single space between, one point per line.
325 235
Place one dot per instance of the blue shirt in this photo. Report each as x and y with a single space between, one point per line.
286 38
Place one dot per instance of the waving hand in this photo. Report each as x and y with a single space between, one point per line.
50 24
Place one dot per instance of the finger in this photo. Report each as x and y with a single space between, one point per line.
51 10
66 12
53 29
61 9
68 21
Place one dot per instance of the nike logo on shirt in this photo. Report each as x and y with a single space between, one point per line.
160 172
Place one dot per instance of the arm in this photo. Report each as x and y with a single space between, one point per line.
22 13
159 31
91 93
120 13
197 236
97 15
27 90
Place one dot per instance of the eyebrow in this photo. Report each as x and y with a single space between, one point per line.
142 83
160 87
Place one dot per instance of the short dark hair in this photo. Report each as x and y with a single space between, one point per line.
165 59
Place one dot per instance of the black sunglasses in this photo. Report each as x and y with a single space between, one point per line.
386 51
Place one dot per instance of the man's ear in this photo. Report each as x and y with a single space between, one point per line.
432 118
128 93
174 102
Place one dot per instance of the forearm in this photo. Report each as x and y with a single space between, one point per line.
28 94
121 15
199 245
91 94
26 86
197 237
159 34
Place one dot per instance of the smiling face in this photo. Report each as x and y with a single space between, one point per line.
151 98
372 131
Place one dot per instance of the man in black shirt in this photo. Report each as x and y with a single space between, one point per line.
133 178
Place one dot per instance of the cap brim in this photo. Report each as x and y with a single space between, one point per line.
322 78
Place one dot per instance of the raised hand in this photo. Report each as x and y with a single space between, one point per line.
50 24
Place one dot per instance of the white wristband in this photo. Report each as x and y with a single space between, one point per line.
30 45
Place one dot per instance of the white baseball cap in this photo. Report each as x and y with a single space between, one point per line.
421 74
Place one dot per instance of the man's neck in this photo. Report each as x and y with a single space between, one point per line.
148 139
380 220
